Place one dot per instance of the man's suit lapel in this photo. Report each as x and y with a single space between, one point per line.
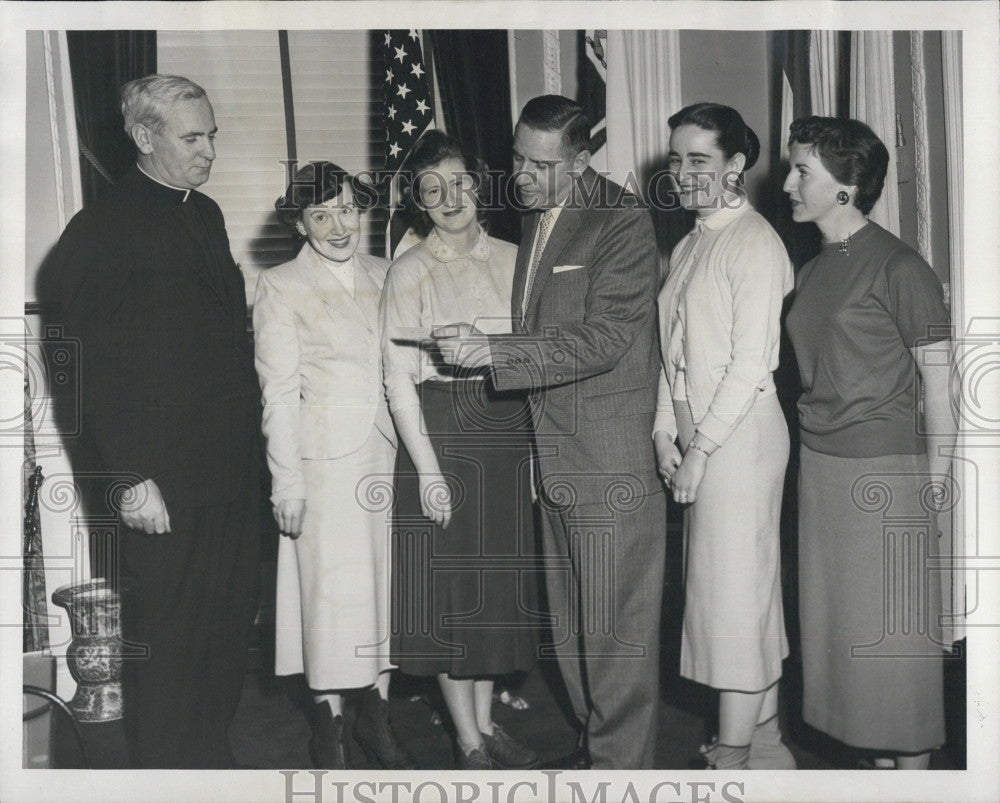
562 234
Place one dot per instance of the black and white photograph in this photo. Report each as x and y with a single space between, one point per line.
500 401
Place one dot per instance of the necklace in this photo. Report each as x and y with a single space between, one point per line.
845 244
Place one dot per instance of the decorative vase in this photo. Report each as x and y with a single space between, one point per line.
94 655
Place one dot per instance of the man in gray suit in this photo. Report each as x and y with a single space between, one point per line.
584 346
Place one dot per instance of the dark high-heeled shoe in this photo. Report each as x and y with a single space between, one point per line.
373 733
326 746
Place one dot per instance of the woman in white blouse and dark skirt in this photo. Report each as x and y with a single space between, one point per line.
463 508
720 435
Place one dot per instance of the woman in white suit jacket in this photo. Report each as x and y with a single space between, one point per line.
330 447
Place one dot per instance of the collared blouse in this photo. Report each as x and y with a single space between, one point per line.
719 315
432 285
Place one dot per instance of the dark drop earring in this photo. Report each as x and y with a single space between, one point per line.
843 197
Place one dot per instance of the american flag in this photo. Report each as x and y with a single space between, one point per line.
406 90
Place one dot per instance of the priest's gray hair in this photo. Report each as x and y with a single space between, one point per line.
144 100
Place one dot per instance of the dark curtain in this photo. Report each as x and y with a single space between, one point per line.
101 62
844 74
791 62
592 89
474 80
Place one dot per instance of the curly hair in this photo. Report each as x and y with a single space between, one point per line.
433 148
316 183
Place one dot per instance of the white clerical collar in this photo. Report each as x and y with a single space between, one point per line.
186 192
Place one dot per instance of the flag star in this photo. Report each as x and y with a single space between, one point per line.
403 90
422 107
417 70
400 53
408 127
389 75
413 35
388 38
394 149
392 112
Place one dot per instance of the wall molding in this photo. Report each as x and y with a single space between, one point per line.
951 51
551 62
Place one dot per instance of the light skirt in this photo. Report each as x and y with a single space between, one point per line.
333 580
733 636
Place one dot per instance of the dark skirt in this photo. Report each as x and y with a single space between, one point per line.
465 597
870 602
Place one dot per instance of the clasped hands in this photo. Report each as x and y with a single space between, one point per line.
683 473
462 345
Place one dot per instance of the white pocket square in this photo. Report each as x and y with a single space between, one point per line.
564 268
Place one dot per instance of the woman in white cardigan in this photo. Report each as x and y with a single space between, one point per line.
719 327
331 447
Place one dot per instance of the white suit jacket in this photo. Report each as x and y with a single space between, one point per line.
318 358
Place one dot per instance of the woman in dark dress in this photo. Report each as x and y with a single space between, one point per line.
867 321
463 511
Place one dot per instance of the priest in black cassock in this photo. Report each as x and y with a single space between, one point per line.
170 412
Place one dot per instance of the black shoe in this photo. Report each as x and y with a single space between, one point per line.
507 753
326 747
477 759
373 733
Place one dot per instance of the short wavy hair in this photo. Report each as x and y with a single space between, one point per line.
433 148
144 100
316 183
555 113
850 151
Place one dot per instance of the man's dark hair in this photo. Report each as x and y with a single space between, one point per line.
561 115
